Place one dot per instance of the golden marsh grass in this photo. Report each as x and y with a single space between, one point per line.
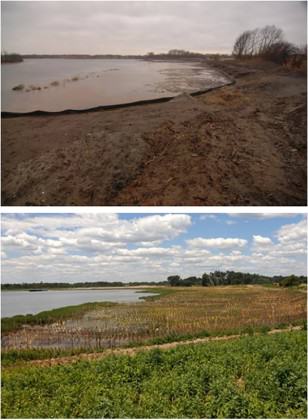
185 311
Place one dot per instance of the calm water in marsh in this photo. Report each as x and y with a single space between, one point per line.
58 84
25 302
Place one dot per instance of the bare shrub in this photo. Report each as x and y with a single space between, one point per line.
280 52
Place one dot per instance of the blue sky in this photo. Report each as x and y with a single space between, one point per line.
226 225
149 247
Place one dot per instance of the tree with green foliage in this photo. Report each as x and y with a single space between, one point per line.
191 281
221 278
289 281
174 280
205 280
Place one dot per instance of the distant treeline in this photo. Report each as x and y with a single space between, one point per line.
80 56
175 55
43 285
220 278
170 55
11 58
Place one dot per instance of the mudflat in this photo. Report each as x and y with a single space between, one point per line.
243 144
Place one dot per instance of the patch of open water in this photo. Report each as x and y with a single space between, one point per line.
59 84
25 302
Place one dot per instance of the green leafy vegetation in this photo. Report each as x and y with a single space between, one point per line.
217 278
159 293
290 281
253 377
12 357
61 285
228 278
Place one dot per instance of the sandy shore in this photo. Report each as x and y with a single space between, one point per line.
243 144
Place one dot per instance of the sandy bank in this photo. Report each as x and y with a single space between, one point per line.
240 145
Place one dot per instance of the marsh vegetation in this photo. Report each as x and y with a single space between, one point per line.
257 375
179 313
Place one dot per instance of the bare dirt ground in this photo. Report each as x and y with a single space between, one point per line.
134 350
243 144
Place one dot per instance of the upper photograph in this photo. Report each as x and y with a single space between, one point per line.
154 103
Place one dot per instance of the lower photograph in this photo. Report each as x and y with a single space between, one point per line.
196 315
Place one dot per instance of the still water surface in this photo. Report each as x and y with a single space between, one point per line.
58 84
25 302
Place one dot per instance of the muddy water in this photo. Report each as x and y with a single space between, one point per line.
25 302
58 84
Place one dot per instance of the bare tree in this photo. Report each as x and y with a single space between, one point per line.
240 45
257 41
253 42
268 36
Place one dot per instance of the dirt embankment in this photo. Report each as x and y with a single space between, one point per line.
243 144
134 350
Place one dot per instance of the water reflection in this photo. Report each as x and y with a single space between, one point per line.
58 84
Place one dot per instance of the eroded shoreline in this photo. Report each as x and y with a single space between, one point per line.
7 114
243 144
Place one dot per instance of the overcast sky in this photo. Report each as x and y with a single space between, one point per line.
130 247
139 27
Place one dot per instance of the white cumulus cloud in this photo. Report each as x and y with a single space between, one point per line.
216 242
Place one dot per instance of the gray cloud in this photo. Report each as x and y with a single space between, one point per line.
139 27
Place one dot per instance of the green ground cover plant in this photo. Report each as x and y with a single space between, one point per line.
20 356
252 377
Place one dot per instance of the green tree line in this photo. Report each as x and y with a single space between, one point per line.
217 278
62 285
221 278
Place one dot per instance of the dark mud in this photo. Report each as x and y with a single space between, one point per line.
243 144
